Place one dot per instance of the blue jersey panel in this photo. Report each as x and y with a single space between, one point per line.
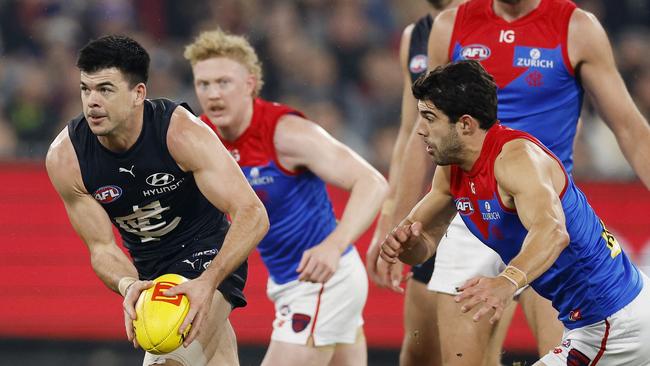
300 214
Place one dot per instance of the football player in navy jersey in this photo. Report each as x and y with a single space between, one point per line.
140 164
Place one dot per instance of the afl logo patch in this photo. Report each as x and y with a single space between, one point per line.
476 52
464 206
107 194
160 179
418 64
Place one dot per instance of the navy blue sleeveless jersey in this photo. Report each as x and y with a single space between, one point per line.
417 64
157 208
419 47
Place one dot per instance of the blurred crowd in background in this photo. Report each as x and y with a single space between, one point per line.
336 60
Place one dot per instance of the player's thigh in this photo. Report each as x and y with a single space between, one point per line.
499 333
355 354
462 340
291 354
542 319
420 323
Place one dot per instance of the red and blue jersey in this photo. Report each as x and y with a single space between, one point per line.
590 280
299 209
537 89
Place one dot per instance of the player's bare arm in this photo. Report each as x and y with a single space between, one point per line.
416 238
591 55
92 224
196 148
302 144
530 181
440 38
379 272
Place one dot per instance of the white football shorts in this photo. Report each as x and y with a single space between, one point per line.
621 339
330 312
461 256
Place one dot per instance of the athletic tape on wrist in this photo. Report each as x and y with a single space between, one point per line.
515 275
124 284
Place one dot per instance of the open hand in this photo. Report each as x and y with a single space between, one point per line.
495 293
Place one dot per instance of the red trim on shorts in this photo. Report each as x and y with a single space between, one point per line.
313 325
603 343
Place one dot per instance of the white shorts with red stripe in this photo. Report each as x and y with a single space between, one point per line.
621 339
461 256
331 312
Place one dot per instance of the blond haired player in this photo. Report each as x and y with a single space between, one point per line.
317 280
140 164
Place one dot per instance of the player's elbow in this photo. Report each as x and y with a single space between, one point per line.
380 185
560 237
260 217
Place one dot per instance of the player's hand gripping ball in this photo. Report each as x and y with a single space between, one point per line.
159 316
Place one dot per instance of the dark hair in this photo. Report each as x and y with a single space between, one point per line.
460 88
120 52
439 4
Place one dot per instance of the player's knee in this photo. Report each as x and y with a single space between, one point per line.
166 363
193 355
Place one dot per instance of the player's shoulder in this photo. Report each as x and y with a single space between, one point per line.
583 18
406 34
587 39
61 162
60 150
293 132
446 18
184 123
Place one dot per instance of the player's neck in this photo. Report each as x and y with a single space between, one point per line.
238 125
512 12
125 136
472 151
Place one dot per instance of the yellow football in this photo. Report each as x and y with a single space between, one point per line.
159 317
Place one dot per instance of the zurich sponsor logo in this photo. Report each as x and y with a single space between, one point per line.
107 194
533 59
418 64
160 179
257 179
487 213
464 206
476 52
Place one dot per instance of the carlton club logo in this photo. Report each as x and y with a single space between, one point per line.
107 194
161 287
476 52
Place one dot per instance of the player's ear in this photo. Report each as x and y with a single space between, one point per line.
251 83
140 91
467 125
